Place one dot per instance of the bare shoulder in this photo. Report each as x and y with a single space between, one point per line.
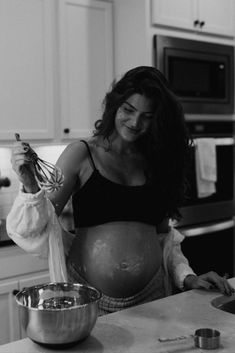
73 155
76 149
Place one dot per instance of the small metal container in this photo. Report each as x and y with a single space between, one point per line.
207 338
58 314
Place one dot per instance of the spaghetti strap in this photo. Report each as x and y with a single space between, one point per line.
90 155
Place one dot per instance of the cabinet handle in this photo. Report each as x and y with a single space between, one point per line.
15 291
66 131
202 23
196 23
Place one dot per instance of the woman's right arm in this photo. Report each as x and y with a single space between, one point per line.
30 215
70 162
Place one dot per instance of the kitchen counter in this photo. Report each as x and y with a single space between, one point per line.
138 329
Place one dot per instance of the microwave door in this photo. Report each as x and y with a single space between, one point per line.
201 74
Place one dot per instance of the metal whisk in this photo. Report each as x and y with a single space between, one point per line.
48 176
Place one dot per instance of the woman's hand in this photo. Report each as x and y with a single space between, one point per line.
23 167
209 281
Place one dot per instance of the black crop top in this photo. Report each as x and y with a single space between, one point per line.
101 200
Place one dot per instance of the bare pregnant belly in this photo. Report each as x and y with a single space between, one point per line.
118 258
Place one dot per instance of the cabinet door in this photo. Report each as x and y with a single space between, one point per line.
9 319
26 69
176 13
86 63
34 280
217 16
207 16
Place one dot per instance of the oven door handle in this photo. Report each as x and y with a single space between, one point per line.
214 227
221 141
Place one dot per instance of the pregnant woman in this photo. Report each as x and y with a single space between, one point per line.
126 182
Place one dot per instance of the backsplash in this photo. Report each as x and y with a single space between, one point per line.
7 194
49 153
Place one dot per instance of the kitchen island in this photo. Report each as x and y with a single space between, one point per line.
138 329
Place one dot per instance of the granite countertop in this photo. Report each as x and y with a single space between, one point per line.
138 329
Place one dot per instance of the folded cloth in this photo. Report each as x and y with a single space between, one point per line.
206 168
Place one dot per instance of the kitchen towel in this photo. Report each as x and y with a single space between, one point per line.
206 168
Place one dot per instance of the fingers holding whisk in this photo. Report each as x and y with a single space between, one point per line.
48 176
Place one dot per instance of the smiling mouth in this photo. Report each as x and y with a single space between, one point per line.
133 131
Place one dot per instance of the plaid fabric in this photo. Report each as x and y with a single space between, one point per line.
155 289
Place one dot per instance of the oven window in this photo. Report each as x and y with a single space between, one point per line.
212 251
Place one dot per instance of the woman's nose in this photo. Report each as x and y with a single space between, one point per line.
135 121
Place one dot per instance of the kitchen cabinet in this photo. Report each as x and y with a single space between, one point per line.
10 327
204 16
86 63
56 66
26 69
17 270
9 320
137 21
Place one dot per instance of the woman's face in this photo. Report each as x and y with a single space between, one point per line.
134 117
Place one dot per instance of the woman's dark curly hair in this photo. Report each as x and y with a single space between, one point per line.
166 144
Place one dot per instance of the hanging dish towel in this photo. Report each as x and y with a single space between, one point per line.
206 168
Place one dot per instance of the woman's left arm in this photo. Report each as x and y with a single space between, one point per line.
210 280
175 261
184 276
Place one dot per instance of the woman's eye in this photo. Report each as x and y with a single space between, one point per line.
148 116
127 110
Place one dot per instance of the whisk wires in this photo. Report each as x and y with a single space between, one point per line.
47 175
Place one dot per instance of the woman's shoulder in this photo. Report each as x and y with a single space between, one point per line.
73 157
76 150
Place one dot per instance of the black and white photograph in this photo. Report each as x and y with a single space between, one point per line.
117 176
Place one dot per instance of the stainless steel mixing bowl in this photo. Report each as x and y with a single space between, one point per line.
55 314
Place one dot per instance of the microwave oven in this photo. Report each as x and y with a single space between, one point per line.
201 74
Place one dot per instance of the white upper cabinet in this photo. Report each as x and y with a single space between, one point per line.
205 16
56 64
176 13
218 16
26 69
86 63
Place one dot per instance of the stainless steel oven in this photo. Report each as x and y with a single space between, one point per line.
219 205
208 223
